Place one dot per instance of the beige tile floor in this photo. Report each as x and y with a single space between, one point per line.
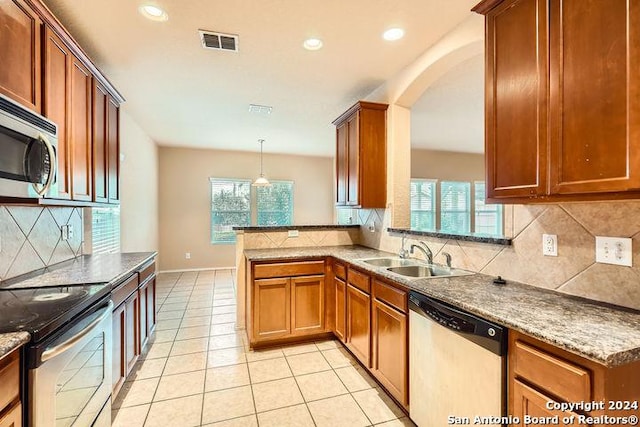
198 371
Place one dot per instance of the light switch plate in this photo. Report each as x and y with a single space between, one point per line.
549 245
614 250
293 233
187 255
64 232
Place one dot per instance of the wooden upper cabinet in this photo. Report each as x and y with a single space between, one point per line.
100 147
113 150
595 96
80 131
361 156
516 97
56 90
20 50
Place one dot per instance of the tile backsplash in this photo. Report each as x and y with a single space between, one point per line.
30 238
574 271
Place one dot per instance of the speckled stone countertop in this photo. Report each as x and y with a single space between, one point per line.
100 268
599 332
12 341
269 228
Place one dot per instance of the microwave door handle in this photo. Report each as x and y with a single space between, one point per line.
52 166
52 352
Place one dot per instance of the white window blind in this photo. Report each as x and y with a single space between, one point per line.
455 206
488 218
230 206
105 230
423 204
275 203
346 216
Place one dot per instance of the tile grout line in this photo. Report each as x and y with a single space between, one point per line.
304 400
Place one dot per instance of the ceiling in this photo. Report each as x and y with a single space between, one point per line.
449 116
183 95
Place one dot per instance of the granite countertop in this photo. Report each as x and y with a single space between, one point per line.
12 341
600 332
99 268
264 228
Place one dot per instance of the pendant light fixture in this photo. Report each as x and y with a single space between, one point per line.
261 181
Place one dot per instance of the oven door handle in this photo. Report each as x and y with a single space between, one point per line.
52 167
52 352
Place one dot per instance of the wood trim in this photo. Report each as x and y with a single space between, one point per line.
485 6
358 106
49 18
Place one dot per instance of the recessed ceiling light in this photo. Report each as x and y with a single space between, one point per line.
312 44
153 12
393 34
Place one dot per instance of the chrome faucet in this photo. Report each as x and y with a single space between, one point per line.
447 256
425 250
403 252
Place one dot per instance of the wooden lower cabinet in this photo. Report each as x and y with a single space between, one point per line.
13 418
389 349
272 312
341 300
307 304
119 370
358 338
144 330
151 306
132 322
532 403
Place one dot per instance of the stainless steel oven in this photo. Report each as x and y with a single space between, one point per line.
71 382
28 150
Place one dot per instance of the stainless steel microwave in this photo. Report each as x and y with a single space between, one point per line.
28 152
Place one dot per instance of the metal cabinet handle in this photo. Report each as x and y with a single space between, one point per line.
52 167
50 353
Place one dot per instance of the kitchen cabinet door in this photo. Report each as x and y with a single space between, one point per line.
151 306
342 166
359 324
143 327
353 160
13 418
528 401
516 100
20 50
132 331
113 150
595 96
307 305
340 296
119 370
99 144
272 308
57 74
80 131
389 354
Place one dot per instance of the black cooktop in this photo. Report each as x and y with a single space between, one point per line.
42 311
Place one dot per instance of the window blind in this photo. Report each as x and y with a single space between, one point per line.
105 230
423 204
455 206
488 218
275 203
230 206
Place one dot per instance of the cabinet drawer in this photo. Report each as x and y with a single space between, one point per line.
340 271
559 377
146 271
392 296
360 281
288 269
9 379
122 292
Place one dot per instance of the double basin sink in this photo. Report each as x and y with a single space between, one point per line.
414 269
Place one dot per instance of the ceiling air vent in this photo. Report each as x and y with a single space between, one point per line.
219 41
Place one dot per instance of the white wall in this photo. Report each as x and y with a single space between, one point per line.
138 187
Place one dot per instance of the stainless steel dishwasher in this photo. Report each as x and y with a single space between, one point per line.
457 364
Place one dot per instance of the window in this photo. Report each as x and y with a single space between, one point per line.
346 216
423 204
455 209
488 218
230 206
105 229
275 203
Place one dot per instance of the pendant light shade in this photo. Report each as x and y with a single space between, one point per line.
262 180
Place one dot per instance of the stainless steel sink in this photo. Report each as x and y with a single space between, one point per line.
427 270
390 262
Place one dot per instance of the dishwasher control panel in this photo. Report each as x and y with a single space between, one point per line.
451 322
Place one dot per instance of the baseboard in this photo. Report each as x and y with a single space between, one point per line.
185 270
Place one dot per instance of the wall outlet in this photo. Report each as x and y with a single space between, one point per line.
293 233
549 245
64 232
614 250
70 232
187 255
